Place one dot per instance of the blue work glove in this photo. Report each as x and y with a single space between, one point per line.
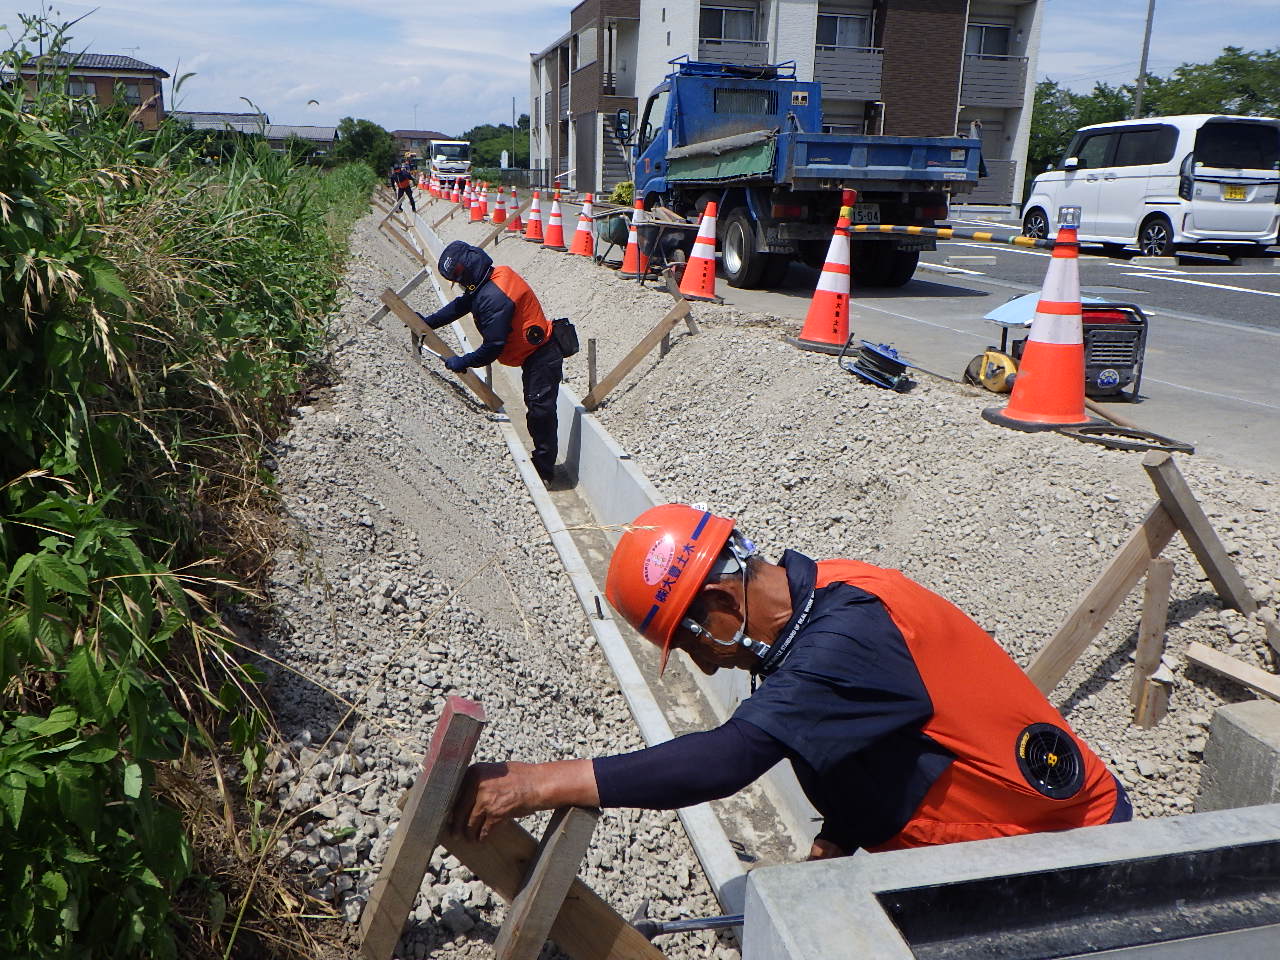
455 364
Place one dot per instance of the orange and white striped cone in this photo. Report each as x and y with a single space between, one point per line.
500 209
513 221
826 325
699 280
484 201
634 263
477 212
555 227
533 232
455 195
1048 391
583 243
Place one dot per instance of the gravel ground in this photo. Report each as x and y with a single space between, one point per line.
1012 527
419 569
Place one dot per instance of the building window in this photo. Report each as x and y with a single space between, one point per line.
81 88
987 40
132 93
838 30
728 23
584 48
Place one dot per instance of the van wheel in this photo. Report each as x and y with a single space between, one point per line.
743 265
1035 224
1155 239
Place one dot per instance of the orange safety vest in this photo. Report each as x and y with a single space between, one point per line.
529 326
987 714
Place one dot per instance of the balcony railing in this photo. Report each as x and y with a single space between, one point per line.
852 72
750 53
564 99
993 81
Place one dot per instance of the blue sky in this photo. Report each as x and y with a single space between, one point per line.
460 64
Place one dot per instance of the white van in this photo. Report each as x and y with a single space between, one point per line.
1167 183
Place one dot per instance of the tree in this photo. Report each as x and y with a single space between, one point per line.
365 140
489 140
1237 81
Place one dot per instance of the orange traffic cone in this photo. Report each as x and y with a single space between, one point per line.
456 193
513 222
583 243
634 263
699 281
484 201
477 212
500 210
1048 391
555 227
533 232
826 325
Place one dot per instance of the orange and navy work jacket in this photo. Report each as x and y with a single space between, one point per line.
507 314
908 725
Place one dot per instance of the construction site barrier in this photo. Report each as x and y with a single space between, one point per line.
953 233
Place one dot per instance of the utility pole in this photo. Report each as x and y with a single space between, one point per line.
513 132
1142 66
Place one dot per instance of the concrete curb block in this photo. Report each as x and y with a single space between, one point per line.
724 870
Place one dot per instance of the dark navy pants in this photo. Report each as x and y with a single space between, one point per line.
541 374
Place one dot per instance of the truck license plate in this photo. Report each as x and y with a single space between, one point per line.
1233 191
864 213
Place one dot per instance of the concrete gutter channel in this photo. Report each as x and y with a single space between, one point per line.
1097 891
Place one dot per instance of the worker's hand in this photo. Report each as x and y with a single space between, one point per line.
493 792
455 364
825 850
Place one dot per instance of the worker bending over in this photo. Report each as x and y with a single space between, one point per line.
516 333
905 722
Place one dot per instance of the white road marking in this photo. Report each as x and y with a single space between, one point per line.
1210 393
999 246
1203 283
903 316
1229 273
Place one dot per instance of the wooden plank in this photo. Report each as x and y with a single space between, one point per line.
421 826
452 210
614 376
501 228
1257 680
433 342
591 363
673 288
1149 697
534 910
1198 531
586 928
403 292
1101 599
399 238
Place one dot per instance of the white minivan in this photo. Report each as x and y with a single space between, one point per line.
1167 183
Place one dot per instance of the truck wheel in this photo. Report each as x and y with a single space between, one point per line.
743 265
776 268
883 266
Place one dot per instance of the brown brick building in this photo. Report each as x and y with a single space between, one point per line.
108 79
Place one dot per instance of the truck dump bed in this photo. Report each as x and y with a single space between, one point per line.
805 161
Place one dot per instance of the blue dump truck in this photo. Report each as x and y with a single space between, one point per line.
750 139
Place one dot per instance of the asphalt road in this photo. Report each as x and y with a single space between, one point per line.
1212 370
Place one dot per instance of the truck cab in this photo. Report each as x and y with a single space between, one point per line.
450 160
750 139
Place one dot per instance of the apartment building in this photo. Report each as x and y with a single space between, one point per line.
897 67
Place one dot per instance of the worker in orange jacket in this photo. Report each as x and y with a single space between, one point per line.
906 723
516 333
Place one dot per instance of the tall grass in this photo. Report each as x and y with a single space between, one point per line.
157 312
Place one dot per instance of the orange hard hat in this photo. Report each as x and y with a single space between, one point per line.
660 564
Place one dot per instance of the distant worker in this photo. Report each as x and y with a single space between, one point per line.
402 179
907 725
516 333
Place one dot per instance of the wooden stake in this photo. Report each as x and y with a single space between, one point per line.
403 292
1150 698
454 208
534 910
421 826
1102 599
586 927
1259 681
433 341
399 238
591 364
677 313
1199 533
